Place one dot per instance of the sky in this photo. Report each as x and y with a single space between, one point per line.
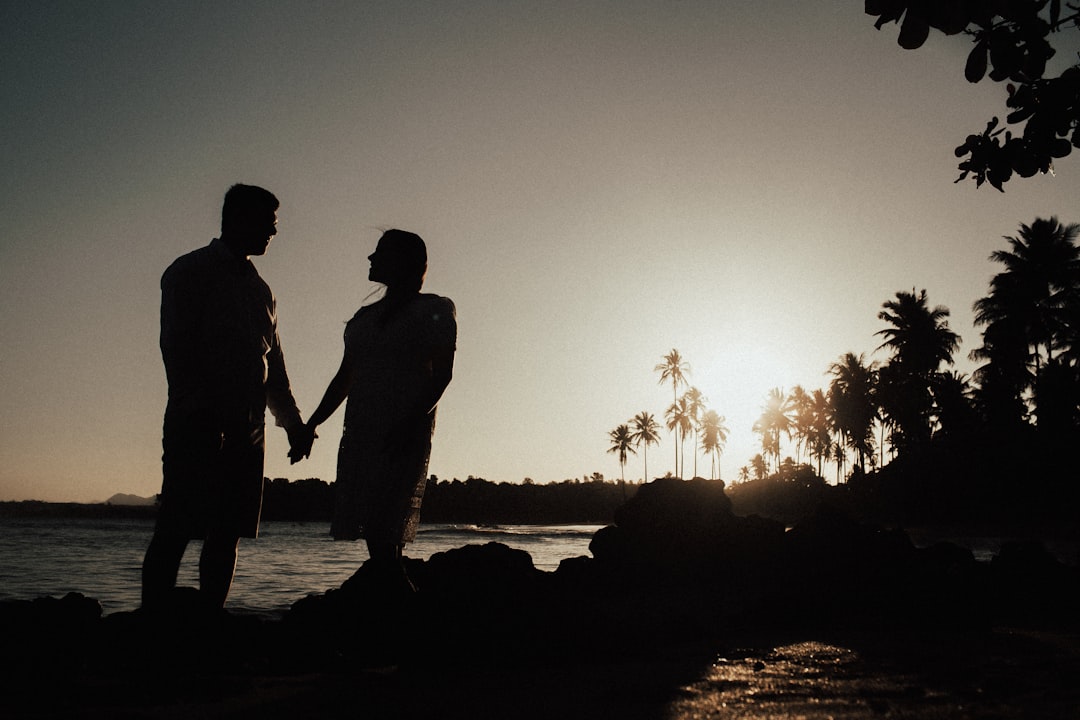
597 182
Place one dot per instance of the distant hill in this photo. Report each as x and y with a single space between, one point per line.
125 499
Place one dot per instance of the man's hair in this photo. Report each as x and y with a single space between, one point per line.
244 203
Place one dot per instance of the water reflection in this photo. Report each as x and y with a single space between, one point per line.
811 680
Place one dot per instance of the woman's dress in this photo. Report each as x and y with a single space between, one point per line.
383 458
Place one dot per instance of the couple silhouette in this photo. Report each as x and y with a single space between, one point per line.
225 367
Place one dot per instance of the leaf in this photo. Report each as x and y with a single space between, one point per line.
1060 148
1055 12
914 31
949 16
1020 115
975 68
888 10
970 143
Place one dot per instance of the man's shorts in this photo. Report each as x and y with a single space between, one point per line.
212 477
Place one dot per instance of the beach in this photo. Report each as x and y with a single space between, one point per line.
681 610
1004 673
101 557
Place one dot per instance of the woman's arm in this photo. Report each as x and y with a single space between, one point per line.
442 371
302 438
335 394
442 330
442 356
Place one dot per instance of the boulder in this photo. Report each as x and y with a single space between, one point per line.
683 532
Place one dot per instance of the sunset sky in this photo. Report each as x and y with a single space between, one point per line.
598 182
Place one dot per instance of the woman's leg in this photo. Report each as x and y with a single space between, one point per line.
384 552
387 557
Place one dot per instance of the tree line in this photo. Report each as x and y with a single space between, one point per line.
687 414
898 424
1026 389
591 500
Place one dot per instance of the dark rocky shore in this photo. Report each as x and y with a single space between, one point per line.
683 610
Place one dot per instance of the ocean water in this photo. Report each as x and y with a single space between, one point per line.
103 558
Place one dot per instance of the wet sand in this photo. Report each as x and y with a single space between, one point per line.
1003 673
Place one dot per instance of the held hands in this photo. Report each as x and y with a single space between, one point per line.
301 439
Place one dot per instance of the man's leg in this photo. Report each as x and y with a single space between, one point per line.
217 565
236 501
161 565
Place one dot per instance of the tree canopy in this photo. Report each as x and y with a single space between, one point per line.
1012 42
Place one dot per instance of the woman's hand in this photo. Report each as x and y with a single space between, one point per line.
301 438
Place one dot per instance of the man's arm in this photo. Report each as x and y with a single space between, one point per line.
279 397
180 311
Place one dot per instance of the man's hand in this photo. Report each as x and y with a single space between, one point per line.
301 438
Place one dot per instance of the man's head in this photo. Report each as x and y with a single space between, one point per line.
249 219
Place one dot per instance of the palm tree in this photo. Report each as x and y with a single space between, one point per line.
645 432
956 416
920 341
1042 272
821 428
622 442
839 454
761 468
675 369
1029 314
678 421
1005 377
695 405
714 434
1057 399
851 393
773 422
802 419
919 337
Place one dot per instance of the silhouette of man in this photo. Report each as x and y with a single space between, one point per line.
224 365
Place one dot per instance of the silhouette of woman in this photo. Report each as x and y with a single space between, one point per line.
398 360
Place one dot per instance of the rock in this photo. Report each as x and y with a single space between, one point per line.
669 505
1029 584
48 632
478 572
683 532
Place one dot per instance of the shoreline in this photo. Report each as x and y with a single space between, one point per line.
44 509
230 666
684 610
945 531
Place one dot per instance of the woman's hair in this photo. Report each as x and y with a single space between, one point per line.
409 255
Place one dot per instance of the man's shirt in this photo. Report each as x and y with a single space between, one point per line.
219 340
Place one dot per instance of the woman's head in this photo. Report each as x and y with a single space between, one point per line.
399 261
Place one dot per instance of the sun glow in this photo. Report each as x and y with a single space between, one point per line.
736 382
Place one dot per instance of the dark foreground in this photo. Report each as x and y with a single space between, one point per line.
1001 674
684 611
